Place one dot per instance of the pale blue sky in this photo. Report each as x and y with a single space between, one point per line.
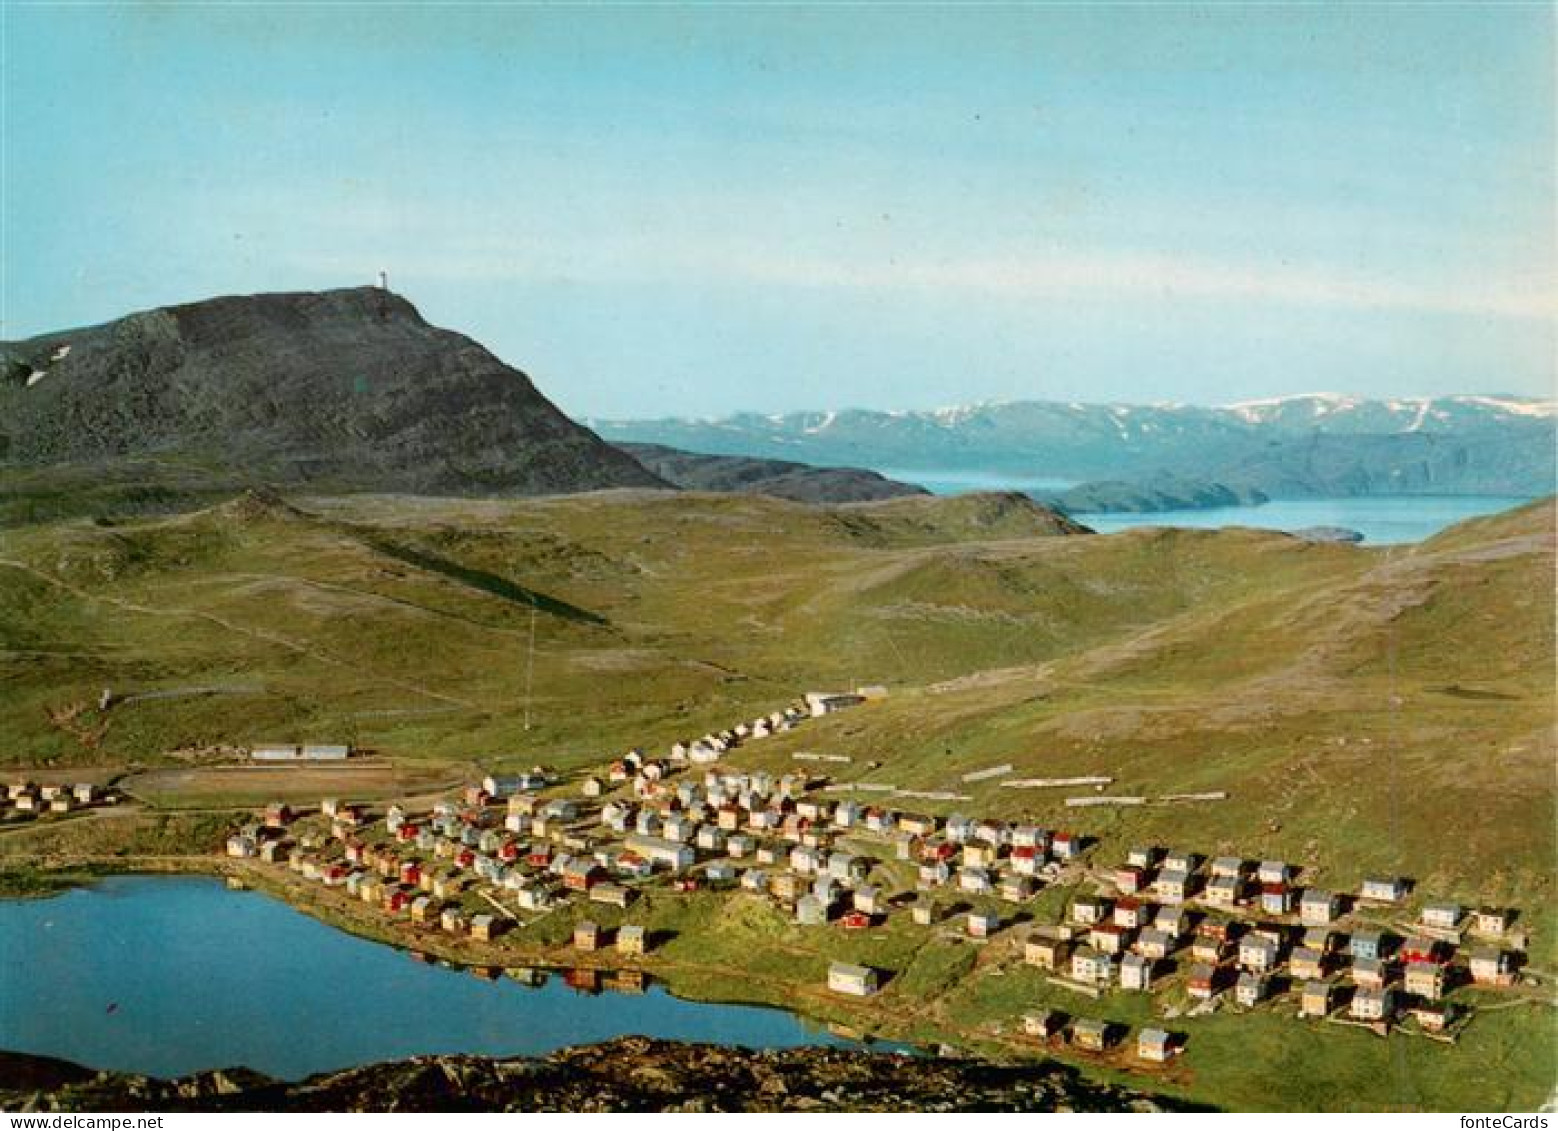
697 210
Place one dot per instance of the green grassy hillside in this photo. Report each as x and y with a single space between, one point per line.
1364 708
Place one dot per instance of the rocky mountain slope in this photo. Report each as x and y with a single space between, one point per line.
1317 444
346 389
628 1074
783 479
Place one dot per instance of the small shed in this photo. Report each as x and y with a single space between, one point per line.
856 981
631 940
1090 1033
1156 1045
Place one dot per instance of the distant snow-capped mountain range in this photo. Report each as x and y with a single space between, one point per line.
1293 446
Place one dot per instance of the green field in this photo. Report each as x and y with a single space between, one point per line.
1365 710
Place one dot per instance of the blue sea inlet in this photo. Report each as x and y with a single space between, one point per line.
1382 519
170 975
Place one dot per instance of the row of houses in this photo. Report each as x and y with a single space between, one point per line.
29 798
1093 1034
1232 882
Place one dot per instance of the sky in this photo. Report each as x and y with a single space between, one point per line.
697 210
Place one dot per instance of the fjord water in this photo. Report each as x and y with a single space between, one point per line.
1383 520
167 975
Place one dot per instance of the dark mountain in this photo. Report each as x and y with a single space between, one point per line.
346 390
1163 492
693 471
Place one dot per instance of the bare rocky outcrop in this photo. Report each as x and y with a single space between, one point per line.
627 1074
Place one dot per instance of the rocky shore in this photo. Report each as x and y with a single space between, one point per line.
627 1074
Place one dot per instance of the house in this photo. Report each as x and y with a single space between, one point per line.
1425 979
1066 846
1110 938
846 868
1090 1033
1315 999
241 846
661 852
1178 861
786 886
979 856
1015 889
1043 1023
1128 879
810 911
1030 836
586 935
1369 973
1318 907
1203 982
452 919
1491 966
611 895
1366 944
1321 939
1045 953
1441 915
1307 963
710 838
1091 968
1207 948
974 880
1251 989
1172 921
630 940
484 928
278 815
1276 899
821 703
1433 1017
869 901
1155 1045
1274 872
1128 913
1383 889
1172 885
916 824
1372 1004
1154 944
1421 948
1229 867
960 829
1141 856
1136 972
582 874
1223 891
754 879
983 924
1491 921
847 978
1257 953
1089 909
535 898
424 909
84 793
925 911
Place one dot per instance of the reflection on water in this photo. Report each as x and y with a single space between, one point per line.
171 975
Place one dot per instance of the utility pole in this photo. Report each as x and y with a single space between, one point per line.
530 666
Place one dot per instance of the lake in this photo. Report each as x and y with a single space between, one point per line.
169 975
1382 520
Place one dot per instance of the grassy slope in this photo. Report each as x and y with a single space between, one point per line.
1366 709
